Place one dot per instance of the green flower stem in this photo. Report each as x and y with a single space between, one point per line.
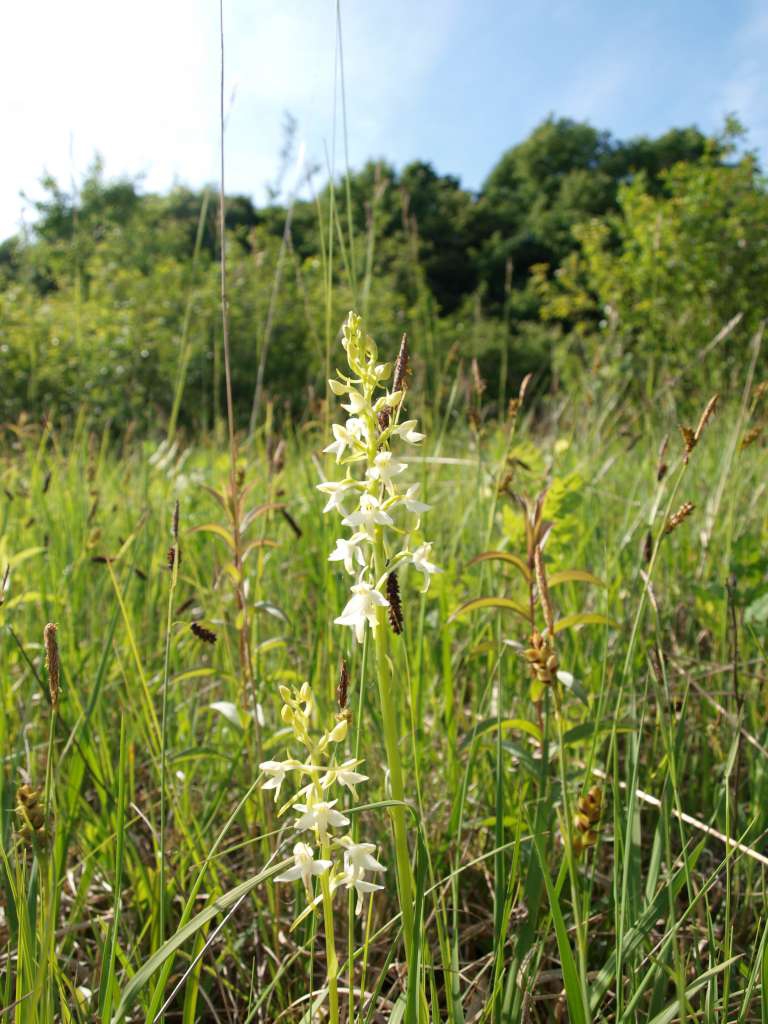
332 962
392 745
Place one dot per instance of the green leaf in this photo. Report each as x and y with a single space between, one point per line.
672 1011
502 603
157 959
577 1012
217 531
585 619
573 576
492 724
757 613
503 556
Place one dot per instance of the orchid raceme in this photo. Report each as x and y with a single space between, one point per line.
318 818
383 524
387 507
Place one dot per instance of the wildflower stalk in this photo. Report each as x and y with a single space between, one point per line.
394 763
318 815
378 547
173 560
331 959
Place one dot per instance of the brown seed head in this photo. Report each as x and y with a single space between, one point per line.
175 524
31 814
751 436
680 516
52 662
343 688
689 441
395 609
760 390
202 633
709 410
648 547
399 381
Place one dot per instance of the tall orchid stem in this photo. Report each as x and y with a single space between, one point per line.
392 746
332 962
331 959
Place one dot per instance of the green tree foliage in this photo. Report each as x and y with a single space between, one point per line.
651 286
111 301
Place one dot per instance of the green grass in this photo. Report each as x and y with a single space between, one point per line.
659 921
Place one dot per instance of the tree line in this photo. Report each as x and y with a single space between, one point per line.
581 257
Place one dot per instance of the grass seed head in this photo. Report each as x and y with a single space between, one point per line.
705 417
52 662
679 517
202 633
395 609
399 381
751 436
32 820
342 689
589 809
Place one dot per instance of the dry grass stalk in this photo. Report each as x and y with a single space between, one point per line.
477 381
679 517
687 819
705 417
514 403
52 662
399 380
691 437
541 583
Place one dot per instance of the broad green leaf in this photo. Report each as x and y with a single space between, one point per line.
671 1013
573 576
502 603
218 531
577 1012
503 556
492 724
585 619
158 958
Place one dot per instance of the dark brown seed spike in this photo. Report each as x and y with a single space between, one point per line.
395 605
206 635
343 688
399 381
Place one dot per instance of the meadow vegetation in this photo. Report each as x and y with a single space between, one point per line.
487 746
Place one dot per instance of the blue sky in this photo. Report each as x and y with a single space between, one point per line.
454 82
